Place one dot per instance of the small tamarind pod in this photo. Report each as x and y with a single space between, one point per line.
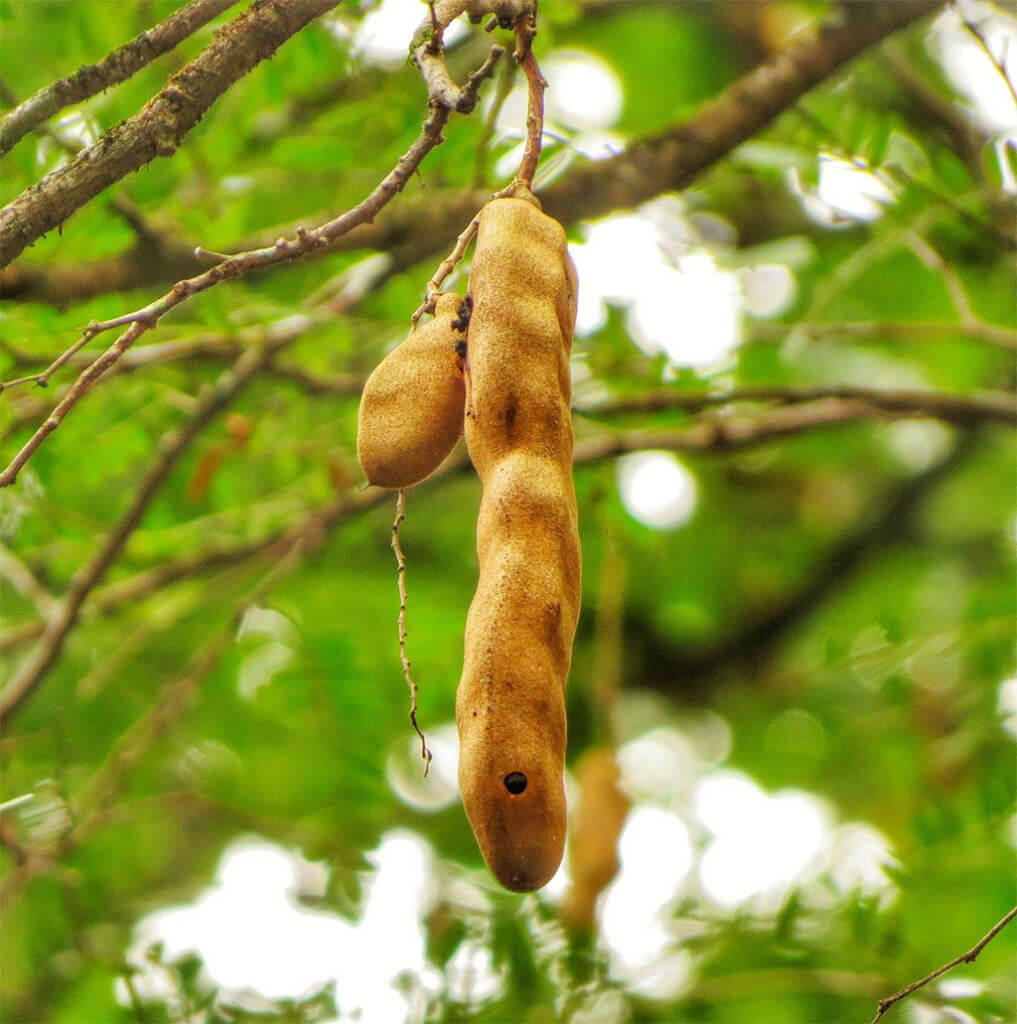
510 705
411 408
596 826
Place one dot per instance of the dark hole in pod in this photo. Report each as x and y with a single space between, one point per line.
515 783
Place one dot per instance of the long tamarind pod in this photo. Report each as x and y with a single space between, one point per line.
411 408
596 828
510 706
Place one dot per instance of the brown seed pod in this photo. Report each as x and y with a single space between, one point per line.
411 409
510 706
596 826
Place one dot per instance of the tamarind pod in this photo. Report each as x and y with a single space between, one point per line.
510 705
595 829
411 408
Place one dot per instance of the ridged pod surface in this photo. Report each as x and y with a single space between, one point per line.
411 408
510 706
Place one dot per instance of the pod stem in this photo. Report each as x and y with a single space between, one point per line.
445 268
526 29
425 752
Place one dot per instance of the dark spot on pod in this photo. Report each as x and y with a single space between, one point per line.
515 783
462 321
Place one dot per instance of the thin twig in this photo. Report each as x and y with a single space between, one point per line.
964 958
175 697
111 70
147 317
525 29
425 752
933 260
41 379
230 384
212 347
525 26
20 634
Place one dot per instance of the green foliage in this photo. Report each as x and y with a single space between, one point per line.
835 619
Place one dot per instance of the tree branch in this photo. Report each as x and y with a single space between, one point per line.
900 330
111 70
670 160
750 640
964 958
160 126
108 599
230 384
673 159
717 435
815 411
233 267
960 409
31 672
61 284
176 696
210 347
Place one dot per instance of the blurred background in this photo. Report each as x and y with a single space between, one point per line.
793 700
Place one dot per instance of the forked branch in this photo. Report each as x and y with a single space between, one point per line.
146 318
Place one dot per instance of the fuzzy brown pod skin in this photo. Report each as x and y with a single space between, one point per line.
411 408
510 706
596 826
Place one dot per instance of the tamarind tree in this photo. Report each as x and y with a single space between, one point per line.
791 704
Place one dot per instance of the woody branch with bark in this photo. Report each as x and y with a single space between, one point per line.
664 162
